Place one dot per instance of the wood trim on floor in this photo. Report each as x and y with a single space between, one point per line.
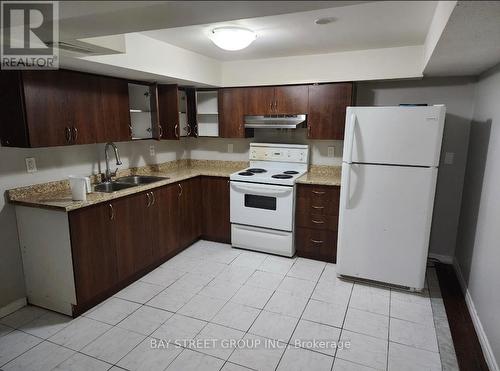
467 346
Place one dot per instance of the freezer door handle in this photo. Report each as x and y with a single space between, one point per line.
350 140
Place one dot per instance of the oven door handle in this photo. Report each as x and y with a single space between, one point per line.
262 189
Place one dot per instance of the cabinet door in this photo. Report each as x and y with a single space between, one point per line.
113 124
216 222
291 100
133 237
231 104
168 111
190 212
46 108
259 100
166 228
327 107
82 105
93 249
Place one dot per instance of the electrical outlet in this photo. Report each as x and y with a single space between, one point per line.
331 151
152 150
230 147
31 165
449 157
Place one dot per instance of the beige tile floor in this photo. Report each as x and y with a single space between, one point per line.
220 308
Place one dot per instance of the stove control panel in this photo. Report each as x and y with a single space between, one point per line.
298 153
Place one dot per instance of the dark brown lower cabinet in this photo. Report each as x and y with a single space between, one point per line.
190 209
166 229
215 216
316 244
316 221
116 242
94 252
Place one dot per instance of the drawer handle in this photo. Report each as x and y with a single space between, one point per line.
317 221
317 241
112 210
318 192
318 207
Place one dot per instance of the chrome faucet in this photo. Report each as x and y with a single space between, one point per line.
109 174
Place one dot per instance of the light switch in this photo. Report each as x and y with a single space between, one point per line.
449 157
31 165
152 150
331 151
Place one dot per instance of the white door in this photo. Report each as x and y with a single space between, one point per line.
262 205
384 222
394 135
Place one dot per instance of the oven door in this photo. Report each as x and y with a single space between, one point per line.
262 205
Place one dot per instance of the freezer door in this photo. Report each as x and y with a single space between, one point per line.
384 223
394 135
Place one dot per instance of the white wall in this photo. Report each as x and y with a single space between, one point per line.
373 64
217 148
478 244
457 94
55 164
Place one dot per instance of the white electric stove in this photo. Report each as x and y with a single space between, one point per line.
263 198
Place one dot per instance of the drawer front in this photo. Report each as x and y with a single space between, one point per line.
316 244
317 221
315 199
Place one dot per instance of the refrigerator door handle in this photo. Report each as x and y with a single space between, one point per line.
347 186
350 140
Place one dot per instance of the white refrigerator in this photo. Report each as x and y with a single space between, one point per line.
389 171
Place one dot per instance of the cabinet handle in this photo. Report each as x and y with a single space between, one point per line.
188 128
148 195
180 190
317 221
270 106
176 130
161 130
112 212
317 207
275 106
316 241
318 192
196 131
308 129
68 134
75 134
154 198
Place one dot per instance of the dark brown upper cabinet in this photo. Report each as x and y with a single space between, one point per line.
114 123
231 103
327 108
144 116
56 108
276 100
177 112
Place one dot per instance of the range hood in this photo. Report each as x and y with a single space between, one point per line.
275 121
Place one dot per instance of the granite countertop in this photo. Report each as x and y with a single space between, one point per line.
322 175
57 195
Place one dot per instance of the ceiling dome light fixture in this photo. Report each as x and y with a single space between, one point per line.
232 38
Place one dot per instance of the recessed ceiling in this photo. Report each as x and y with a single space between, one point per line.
470 43
359 26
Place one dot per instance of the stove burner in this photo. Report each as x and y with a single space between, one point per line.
257 170
245 173
291 172
282 176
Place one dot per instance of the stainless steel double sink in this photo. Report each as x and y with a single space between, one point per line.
127 182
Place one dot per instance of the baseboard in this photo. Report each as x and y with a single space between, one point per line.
483 339
446 259
12 307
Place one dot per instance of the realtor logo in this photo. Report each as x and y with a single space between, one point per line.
29 31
